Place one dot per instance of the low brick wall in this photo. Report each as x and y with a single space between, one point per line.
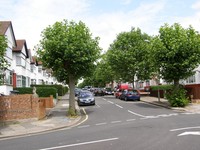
24 106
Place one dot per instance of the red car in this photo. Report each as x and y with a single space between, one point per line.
120 89
118 93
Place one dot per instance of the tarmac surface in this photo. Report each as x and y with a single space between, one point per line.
57 118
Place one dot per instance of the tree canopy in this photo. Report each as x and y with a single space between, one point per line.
3 62
176 52
69 49
128 55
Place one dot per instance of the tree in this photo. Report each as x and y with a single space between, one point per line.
176 52
3 61
128 55
104 72
70 51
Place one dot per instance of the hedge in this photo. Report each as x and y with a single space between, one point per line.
161 87
62 90
41 91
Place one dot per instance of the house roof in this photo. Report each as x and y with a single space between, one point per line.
4 25
20 44
36 61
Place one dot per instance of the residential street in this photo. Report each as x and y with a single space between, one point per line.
113 124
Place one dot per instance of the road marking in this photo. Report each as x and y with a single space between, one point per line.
116 121
99 124
150 117
136 114
98 105
86 118
189 133
85 126
130 120
110 102
118 106
186 128
78 144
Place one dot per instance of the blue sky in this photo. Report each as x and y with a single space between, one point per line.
105 18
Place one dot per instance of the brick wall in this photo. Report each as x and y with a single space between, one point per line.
21 107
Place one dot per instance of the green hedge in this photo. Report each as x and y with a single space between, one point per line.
62 90
41 91
161 87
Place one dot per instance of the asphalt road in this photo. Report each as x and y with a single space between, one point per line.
113 124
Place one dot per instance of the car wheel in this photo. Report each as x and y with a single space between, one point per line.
125 98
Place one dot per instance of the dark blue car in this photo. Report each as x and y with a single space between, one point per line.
130 95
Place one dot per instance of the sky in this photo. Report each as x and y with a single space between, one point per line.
105 18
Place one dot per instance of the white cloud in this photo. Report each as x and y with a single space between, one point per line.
126 2
30 17
196 5
107 26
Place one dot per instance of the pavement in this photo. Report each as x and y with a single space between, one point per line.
57 118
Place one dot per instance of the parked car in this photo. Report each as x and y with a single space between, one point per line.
120 89
118 93
99 92
130 95
109 92
85 98
77 91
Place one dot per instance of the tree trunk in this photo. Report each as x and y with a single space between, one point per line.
176 83
133 83
72 108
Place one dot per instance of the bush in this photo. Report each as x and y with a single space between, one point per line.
161 87
177 97
62 90
41 91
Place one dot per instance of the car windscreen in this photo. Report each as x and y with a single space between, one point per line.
85 94
133 92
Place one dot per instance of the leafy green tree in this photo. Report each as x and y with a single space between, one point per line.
3 62
176 52
70 51
128 56
104 72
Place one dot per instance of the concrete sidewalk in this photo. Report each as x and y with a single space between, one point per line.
193 108
57 118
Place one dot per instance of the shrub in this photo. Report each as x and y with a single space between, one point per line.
161 87
41 91
177 97
61 89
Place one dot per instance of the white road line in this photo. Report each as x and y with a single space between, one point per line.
136 114
97 105
118 106
150 117
116 121
130 120
78 144
99 124
104 99
85 126
186 128
86 118
188 113
110 102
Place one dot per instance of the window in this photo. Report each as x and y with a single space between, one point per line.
40 69
191 79
21 81
20 61
33 68
33 81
